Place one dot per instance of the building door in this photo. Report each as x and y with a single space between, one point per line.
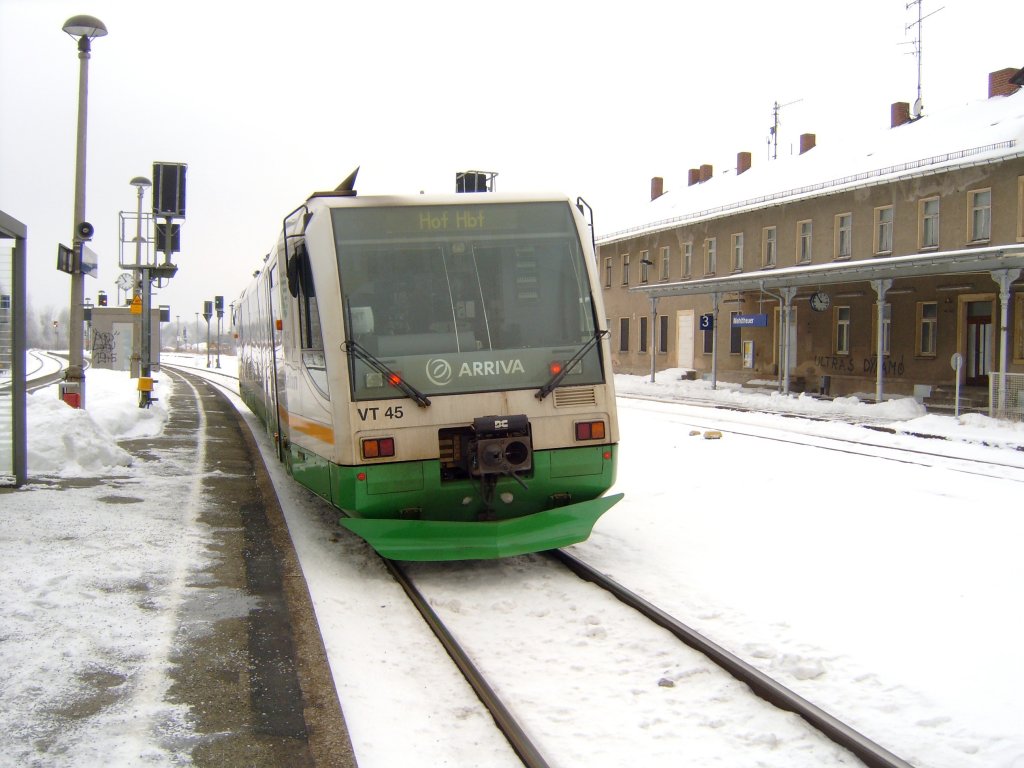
979 343
684 339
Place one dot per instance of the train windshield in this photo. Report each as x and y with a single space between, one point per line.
465 298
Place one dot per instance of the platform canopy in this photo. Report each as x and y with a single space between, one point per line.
966 261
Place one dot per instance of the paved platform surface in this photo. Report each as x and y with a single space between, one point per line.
262 683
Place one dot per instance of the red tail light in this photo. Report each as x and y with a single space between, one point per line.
378 447
590 430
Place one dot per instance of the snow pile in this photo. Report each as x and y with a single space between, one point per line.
73 442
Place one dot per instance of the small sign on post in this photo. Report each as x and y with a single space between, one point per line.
956 362
136 305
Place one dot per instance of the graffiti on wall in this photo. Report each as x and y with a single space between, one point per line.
837 364
104 348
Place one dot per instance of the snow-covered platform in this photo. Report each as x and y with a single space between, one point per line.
154 608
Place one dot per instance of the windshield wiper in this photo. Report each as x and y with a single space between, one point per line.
354 349
556 380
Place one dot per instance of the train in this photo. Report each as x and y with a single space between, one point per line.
437 367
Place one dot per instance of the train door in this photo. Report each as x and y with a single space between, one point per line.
684 339
276 359
979 343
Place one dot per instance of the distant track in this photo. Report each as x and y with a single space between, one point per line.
47 380
902 455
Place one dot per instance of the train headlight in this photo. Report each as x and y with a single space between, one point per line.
590 430
378 447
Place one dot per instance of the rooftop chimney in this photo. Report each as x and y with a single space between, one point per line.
692 177
705 172
657 187
999 82
807 141
899 113
742 162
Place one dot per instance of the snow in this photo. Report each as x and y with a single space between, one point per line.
884 591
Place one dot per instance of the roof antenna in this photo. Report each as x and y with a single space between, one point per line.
918 111
773 131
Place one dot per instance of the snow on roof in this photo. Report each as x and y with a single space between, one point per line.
980 132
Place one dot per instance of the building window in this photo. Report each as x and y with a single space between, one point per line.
625 269
1018 328
623 334
737 252
643 333
710 256
687 259
768 247
663 333
981 215
645 264
929 234
664 262
1020 208
735 335
927 324
883 230
886 327
608 272
844 236
709 341
842 330
803 230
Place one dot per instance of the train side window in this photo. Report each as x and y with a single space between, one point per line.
309 313
311 337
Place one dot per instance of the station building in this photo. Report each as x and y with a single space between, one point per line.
891 268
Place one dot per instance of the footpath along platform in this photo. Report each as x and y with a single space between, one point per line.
241 665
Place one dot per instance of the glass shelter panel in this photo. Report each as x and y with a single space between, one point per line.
465 298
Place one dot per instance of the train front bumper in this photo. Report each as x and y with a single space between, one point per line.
445 540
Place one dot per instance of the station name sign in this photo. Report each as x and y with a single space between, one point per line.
750 321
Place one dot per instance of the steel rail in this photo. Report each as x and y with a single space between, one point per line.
771 690
517 738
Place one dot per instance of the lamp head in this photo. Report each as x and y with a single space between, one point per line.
141 183
85 26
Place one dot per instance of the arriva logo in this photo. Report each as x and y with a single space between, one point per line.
439 372
491 368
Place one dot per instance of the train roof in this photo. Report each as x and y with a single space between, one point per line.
336 199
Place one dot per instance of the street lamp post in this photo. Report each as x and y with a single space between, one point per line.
85 28
141 184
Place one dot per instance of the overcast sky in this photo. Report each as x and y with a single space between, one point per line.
267 102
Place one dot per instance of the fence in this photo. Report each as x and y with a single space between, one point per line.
1006 398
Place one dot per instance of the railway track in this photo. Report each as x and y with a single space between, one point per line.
532 755
952 458
532 752
41 381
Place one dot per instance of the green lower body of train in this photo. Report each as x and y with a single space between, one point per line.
406 511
